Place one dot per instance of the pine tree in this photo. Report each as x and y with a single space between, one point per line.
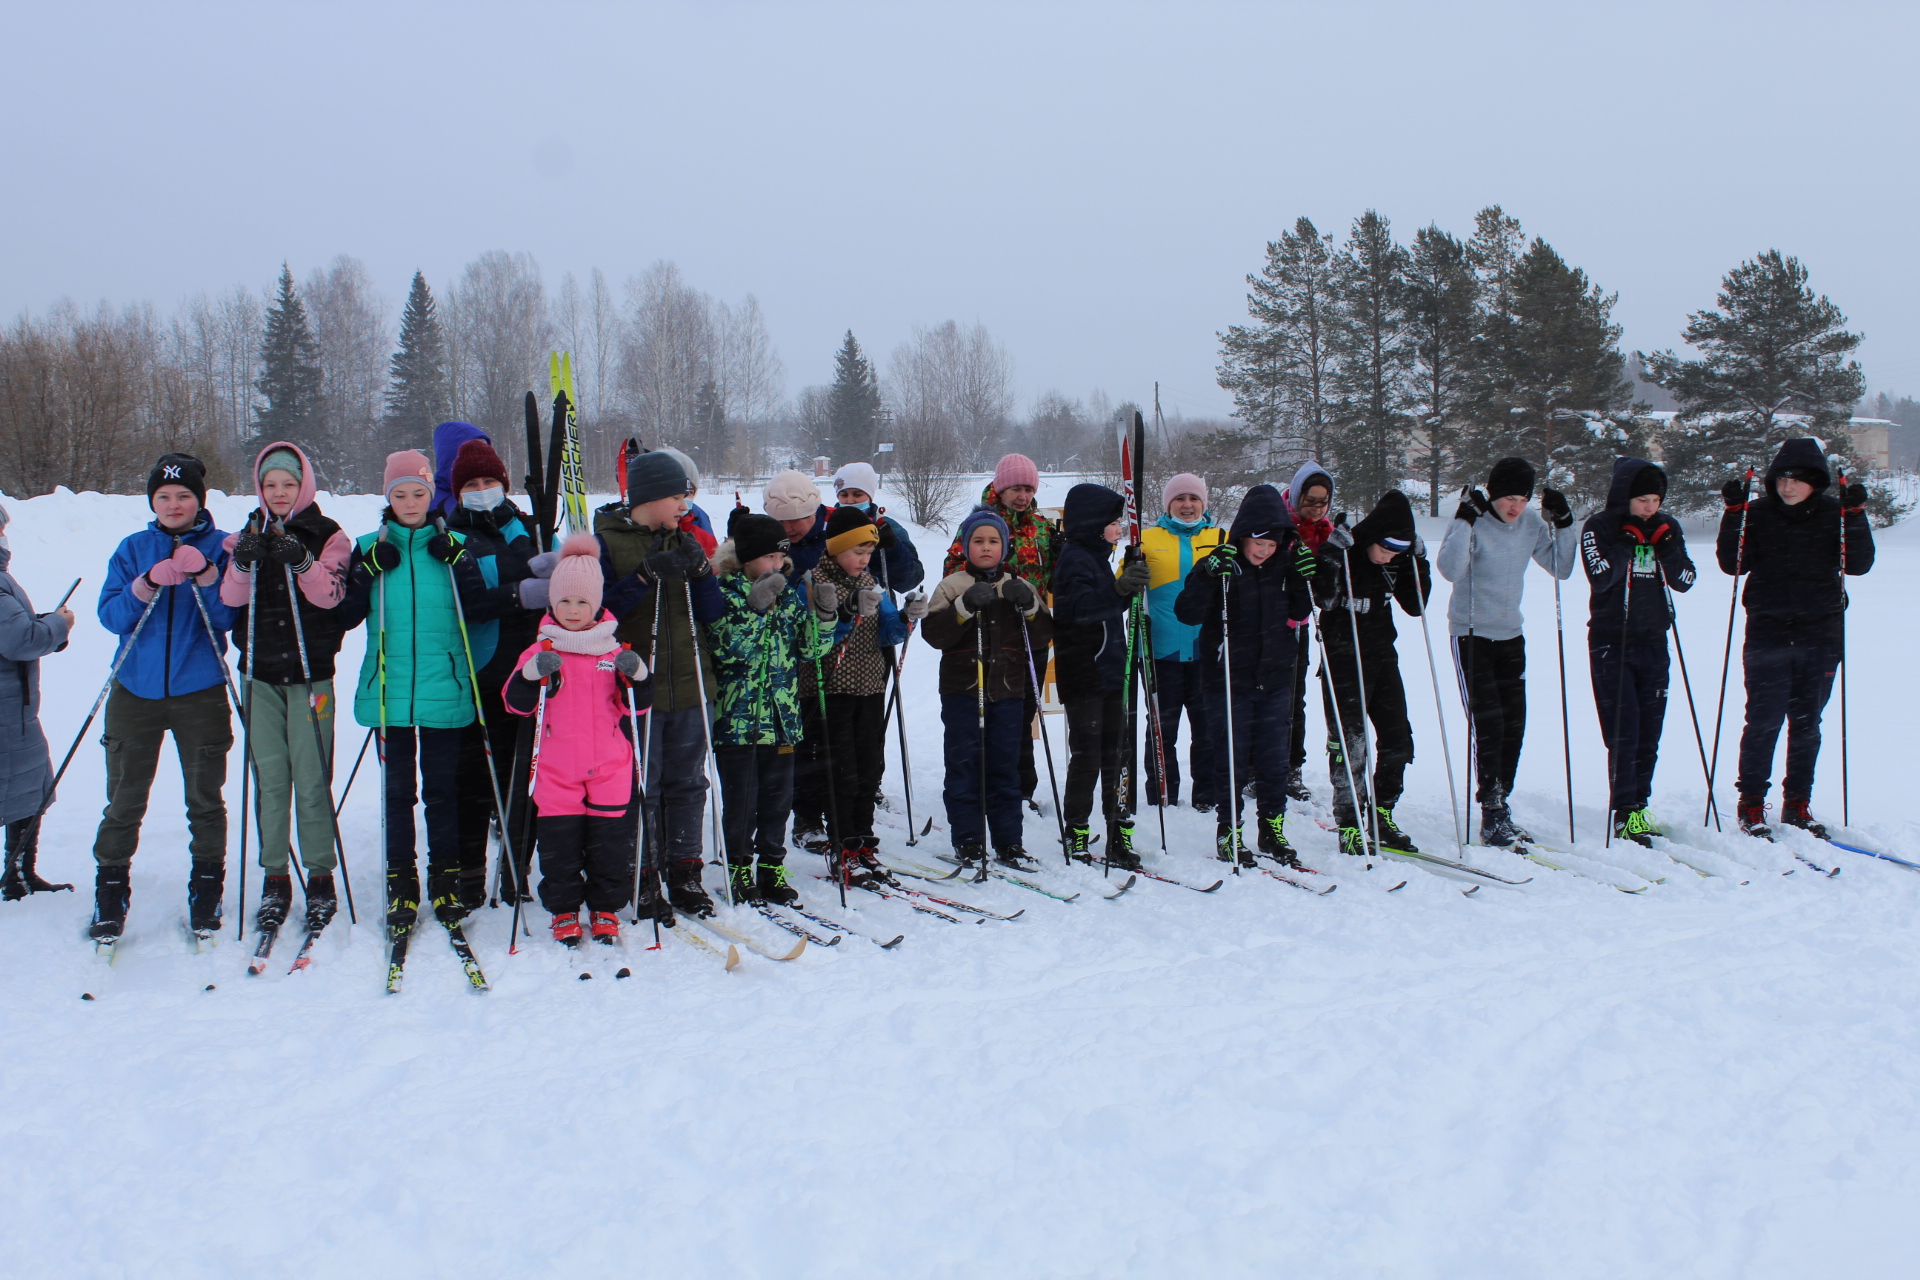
1280 368
1550 379
290 376
417 375
1774 365
1373 355
1443 295
853 405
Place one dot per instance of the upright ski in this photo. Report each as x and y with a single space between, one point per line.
573 480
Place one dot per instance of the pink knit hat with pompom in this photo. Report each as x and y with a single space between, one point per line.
578 572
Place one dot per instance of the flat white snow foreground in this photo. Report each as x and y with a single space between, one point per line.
1708 1079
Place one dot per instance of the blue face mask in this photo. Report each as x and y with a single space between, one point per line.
483 499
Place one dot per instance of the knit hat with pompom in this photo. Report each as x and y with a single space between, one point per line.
578 572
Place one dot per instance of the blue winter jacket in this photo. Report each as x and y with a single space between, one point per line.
174 654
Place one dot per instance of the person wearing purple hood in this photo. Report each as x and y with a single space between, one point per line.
447 439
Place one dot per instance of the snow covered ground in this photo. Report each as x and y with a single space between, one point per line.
1713 1078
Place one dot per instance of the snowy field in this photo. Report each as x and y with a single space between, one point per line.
1715 1078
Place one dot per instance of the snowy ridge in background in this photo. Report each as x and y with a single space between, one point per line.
1707 1079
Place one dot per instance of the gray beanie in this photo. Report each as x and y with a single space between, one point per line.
654 475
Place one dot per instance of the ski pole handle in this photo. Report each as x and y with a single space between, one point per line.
70 590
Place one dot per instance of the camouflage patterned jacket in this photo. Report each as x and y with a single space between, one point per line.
757 659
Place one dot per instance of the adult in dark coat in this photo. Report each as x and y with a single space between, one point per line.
1796 608
26 768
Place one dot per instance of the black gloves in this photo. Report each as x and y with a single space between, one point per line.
1853 498
1473 505
978 596
446 548
1305 563
380 557
249 548
1223 562
686 560
1019 595
887 541
1342 537
1553 504
1733 493
1134 574
290 551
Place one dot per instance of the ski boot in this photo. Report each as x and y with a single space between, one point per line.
862 858
403 901
1297 786
652 904
276 899
23 848
1014 857
1227 840
810 839
606 927
322 902
471 890
443 891
1497 827
746 889
1120 847
1391 836
1270 836
1638 827
1353 842
1078 840
204 887
684 889
1793 813
970 855
566 927
773 884
1752 813
112 887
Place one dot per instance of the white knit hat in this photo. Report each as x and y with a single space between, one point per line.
791 495
857 475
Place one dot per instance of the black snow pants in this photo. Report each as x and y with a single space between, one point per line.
586 860
1493 684
1631 729
1788 681
1386 710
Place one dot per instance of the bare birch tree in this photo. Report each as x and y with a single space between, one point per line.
498 340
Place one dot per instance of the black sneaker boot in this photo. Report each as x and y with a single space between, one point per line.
205 886
1297 786
112 887
322 902
811 839
773 884
746 889
1014 857
276 898
1497 828
970 855
1272 836
1229 838
23 848
1752 811
403 900
1120 847
1078 841
653 904
1391 836
684 889
1793 813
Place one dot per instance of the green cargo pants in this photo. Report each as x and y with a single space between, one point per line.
202 733
293 775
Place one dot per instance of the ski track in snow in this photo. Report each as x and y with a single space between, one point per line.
1708 1079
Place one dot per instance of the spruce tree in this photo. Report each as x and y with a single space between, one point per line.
853 405
290 376
1550 379
417 374
1280 368
1443 295
1773 365
1373 355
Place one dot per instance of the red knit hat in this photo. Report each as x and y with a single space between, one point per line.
476 461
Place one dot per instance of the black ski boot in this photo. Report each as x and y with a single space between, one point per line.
1014 857
1120 847
1227 839
403 900
204 888
740 876
112 887
1272 836
276 898
1297 786
443 893
773 884
23 848
1752 811
653 905
322 902
970 855
684 889
472 890
1391 836
1497 827
1793 813
1078 841
810 839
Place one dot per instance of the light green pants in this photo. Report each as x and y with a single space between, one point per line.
293 774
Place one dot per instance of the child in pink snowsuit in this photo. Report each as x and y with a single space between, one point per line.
583 772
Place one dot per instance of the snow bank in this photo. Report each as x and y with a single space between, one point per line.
1713 1078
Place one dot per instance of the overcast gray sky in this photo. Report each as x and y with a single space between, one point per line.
1092 182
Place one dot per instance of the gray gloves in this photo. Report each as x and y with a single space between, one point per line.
763 593
914 605
541 665
533 593
1134 578
1342 537
628 664
867 601
826 599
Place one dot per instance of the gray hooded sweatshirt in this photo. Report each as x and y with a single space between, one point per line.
1490 558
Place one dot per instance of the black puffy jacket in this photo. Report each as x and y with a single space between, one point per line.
1089 613
1609 552
1265 603
501 543
1793 552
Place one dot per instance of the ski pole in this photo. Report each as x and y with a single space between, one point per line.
112 674
980 698
246 731
1367 763
480 712
1233 775
1439 710
533 779
1846 816
906 764
1560 648
1699 740
709 771
1046 743
639 801
380 749
838 859
1332 694
1619 703
646 768
1154 733
319 743
352 774
1726 657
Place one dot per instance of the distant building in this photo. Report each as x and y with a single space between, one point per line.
1873 441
